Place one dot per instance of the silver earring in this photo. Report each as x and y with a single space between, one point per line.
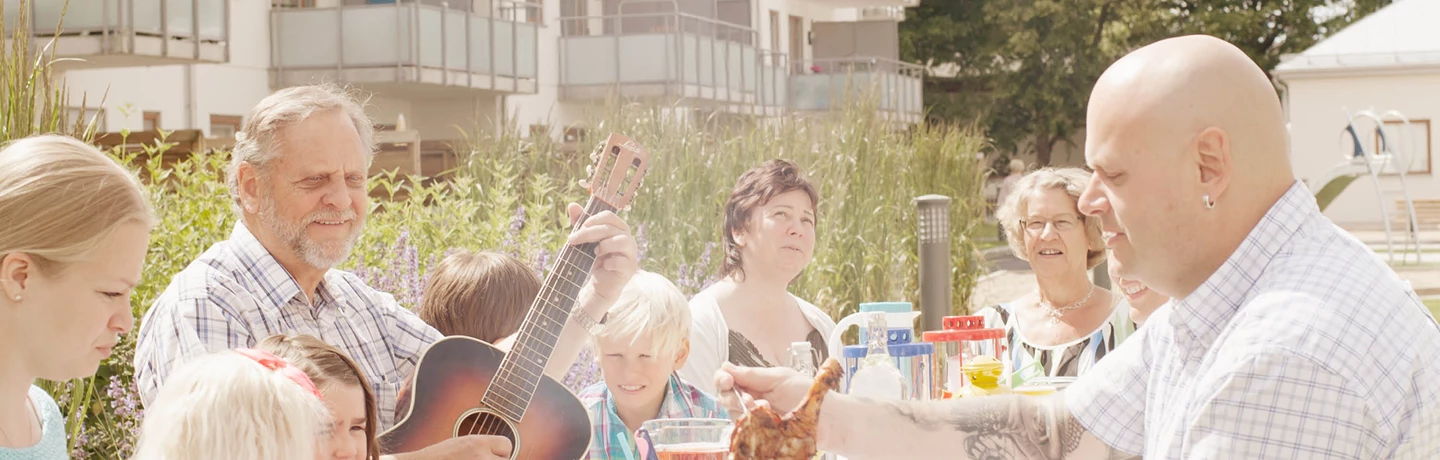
17 298
1209 204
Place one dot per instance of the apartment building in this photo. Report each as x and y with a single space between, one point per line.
436 68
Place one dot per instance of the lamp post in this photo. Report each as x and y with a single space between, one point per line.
934 239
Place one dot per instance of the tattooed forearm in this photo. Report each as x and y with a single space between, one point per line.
1001 427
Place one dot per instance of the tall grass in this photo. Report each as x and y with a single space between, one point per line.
866 169
31 99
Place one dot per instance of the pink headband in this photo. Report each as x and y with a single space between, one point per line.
275 363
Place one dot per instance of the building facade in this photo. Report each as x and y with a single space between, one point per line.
434 69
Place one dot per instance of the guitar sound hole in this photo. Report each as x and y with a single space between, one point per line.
487 423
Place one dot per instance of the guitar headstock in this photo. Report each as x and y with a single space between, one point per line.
619 169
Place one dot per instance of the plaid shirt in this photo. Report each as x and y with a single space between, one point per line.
1303 344
611 440
237 294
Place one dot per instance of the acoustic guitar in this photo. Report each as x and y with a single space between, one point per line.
463 386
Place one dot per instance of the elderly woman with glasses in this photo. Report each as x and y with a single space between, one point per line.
1068 323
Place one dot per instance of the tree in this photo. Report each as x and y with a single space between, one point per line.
1268 29
1023 69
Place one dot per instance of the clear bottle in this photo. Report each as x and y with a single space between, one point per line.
876 376
803 358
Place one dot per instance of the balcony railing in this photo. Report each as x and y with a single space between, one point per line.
408 42
130 32
673 56
826 84
665 55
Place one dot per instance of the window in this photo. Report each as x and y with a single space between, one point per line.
539 131
575 9
1410 143
574 134
152 121
775 38
292 3
797 43
74 115
224 126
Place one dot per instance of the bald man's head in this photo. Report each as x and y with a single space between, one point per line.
1188 143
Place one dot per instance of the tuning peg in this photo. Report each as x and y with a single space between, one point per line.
590 170
584 183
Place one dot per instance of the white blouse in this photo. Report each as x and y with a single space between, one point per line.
710 337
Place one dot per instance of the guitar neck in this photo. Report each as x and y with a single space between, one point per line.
521 371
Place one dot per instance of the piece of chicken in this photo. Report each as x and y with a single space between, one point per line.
763 434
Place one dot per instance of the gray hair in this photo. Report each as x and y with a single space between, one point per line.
259 142
1071 180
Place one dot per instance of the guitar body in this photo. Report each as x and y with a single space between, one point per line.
450 380
464 386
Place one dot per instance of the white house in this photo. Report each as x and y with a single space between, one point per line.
1388 61
473 64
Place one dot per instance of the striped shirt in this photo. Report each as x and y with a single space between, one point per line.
237 294
1302 345
610 439
1027 360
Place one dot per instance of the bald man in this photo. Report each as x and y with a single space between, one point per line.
1287 338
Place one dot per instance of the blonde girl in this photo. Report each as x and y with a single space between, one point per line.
74 226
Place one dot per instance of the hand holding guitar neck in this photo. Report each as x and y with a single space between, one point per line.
464 387
615 256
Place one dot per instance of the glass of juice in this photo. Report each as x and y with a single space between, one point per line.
689 438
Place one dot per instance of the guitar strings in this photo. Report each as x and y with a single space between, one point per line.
493 423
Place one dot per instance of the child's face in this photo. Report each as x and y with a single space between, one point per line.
635 372
347 436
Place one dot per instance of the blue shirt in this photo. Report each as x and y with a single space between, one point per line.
52 435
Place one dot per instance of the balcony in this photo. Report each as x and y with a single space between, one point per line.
893 87
408 45
668 57
124 33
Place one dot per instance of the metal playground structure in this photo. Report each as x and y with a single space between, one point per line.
1386 156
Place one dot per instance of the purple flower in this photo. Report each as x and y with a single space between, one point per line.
125 407
78 448
641 242
517 222
701 278
542 261
684 277
585 371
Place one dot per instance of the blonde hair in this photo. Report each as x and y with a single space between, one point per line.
481 295
649 304
259 141
60 197
1073 182
226 405
327 366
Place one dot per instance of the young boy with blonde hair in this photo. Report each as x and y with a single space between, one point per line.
645 340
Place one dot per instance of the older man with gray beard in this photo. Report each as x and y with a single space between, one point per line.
298 180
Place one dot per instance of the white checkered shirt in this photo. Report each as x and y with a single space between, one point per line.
237 294
1303 345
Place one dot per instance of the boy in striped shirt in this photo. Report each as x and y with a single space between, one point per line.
645 340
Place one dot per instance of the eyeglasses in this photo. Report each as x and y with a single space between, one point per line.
275 363
1062 223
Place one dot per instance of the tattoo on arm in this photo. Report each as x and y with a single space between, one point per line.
1004 427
